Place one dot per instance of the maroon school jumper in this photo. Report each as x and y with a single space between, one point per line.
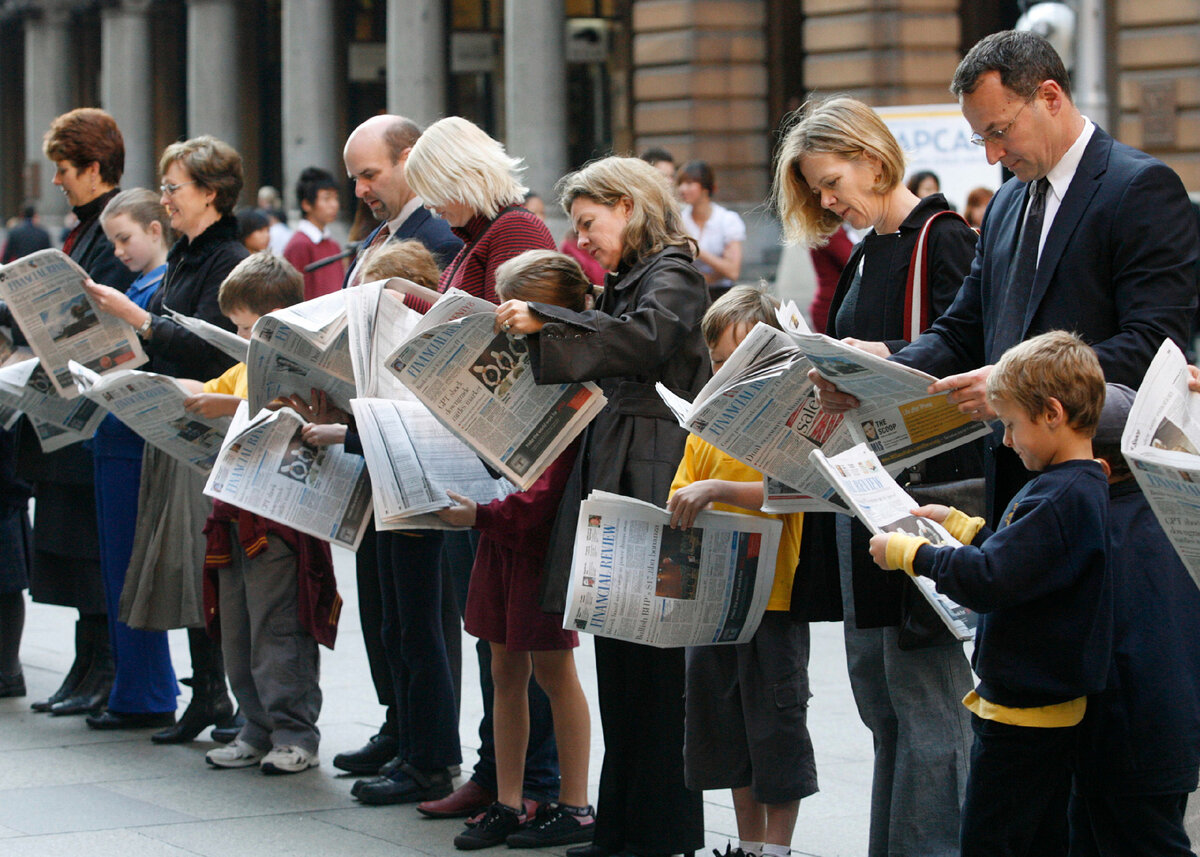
302 251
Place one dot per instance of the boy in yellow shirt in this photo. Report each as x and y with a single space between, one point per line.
746 708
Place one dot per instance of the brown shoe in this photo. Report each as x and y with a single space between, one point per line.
468 799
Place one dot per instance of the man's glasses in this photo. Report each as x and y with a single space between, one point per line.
997 136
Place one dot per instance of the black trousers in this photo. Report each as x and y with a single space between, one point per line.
1108 825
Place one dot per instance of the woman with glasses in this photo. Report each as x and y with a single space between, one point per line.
840 163
201 180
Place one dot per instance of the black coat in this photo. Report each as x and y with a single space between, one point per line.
24 238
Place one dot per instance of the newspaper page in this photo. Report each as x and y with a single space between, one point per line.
1161 442
266 468
479 384
151 405
223 340
884 507
413 461
45 294
781 499
378 321
301 348
25 387
635 578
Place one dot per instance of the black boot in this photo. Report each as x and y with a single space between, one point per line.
92 692
83 661
210 703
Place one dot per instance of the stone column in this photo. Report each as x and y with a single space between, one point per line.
311 136
47 95
214 75
535 98
416 59
126 84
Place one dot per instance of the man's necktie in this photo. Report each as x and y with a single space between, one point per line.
1011 326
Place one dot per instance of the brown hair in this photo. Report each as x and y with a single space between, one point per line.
212 164
409 259
143 207
260 283
544 276
84 136
1055 365
740 305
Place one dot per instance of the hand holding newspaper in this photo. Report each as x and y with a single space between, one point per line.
635 578
25 387
478 383
1162 444
45 293
884 507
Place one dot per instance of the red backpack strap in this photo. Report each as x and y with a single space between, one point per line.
916 293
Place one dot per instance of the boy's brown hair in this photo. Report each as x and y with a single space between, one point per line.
544 276
260 283
740 305
1055 365
409 259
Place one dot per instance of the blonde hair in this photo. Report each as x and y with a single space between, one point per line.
212 164
544 276
1055 365
143 207
740 305
409 259
841 126
260 283
456 161
655 222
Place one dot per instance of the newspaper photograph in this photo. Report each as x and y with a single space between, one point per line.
378 321
479 384
413 461
1161 442
301 348
265 467
635 578
151 405
45 293
25 387
225 341
884 507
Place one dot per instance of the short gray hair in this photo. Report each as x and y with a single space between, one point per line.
456 161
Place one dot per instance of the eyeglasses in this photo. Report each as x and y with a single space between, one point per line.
998 135
169 189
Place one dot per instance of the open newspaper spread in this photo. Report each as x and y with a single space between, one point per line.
25 387
45 293
635 578
884 507
1161 442
413 460
151 405
301 348
378 321
479 384
225 341
266 468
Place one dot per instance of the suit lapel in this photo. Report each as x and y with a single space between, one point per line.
412 224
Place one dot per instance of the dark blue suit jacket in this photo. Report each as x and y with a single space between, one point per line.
431 231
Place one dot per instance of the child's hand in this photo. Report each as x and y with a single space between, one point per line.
462 514
1193 379
933 511
212 405
323 435
688 502
879 543
516 317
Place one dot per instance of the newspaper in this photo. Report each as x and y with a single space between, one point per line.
781 499
378 321
1161 442
266 468
223 340
884 507
635 578
413 460
301 348
45 293
151 405
25 387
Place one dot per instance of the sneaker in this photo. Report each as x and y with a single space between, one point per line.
554 825
288 759
236 754
493 829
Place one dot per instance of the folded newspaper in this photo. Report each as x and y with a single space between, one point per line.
1161 442
223 340
45 294
378 320
25 387
301 348
884 507
151 405
479 384
265 467
635 578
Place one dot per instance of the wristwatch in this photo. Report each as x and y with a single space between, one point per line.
144 330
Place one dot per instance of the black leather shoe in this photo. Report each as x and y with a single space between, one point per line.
226 731
406 785
368 759
210 706
89 701
131 720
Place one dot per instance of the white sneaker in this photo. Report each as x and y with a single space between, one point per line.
288 759
236 754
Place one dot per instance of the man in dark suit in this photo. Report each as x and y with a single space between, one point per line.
26 237
1113 260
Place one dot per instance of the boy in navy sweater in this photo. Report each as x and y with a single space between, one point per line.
1041 586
